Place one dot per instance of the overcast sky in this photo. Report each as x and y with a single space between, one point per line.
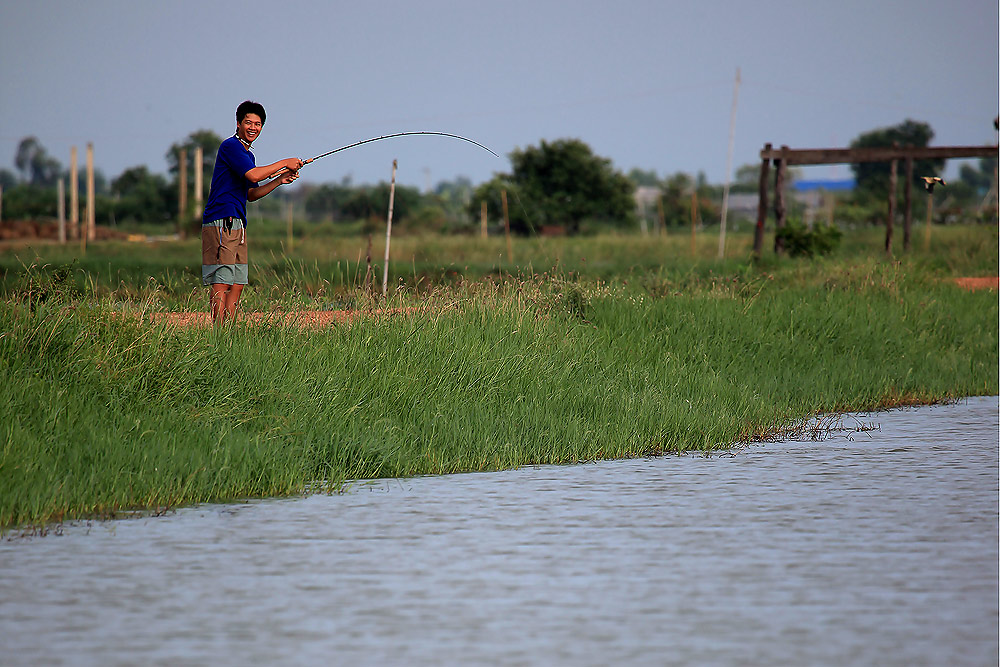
646 84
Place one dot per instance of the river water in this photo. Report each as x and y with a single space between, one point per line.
875 545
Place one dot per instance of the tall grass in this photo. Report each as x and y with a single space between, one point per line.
103 412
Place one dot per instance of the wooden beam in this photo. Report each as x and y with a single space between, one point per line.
881 154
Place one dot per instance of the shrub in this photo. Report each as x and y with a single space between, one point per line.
800 241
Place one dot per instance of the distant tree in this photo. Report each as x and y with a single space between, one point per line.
369 203
873 177
643 178
8 179
564 183
209 142
37 167
490 192
327 201
979 179
141 196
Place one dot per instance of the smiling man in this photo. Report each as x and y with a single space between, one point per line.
235 181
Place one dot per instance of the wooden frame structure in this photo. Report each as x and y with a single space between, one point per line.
785 156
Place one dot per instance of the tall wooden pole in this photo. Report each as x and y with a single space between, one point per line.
482 219
694 220
61 209
91 204
729 167
907 203
930 214
779 203
199 169
890 218
506 225
182 181
758 234
388 232
74 195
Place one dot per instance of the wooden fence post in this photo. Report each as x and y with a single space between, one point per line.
660 217
765 173
930 214
506 225
907 204
182 213
199 168
694 219
482 219
890 218
779 202
74 195
91 204
388 232
61 209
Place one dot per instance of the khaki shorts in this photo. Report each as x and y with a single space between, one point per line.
224 252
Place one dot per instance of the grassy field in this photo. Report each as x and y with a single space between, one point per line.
580 349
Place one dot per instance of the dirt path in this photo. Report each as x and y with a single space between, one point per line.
978 283
304 318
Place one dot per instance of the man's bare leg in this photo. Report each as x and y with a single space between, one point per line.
217 297
232 300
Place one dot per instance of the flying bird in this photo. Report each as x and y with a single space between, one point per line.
931 181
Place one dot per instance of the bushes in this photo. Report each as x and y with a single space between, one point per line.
800 241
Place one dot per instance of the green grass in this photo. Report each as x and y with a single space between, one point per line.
590 348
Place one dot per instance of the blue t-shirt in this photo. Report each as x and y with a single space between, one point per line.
228 194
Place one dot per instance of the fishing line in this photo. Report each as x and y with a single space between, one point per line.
388 136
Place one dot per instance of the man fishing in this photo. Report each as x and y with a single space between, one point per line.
235 181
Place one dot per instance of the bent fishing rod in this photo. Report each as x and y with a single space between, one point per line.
385 136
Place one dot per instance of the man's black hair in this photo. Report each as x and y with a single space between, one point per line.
250 107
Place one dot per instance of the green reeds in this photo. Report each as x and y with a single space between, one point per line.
103 412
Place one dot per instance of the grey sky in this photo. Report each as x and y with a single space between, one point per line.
646 84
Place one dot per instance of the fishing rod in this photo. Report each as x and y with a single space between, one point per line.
385 136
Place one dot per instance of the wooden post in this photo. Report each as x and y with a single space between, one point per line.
199 168
930 214
694 220
369 274
907 204
61 209
388 232
91 204
729 167
758 234
182 182
74 195
779 202
506 225
890 218
482 219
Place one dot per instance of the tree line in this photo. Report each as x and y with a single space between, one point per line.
557 184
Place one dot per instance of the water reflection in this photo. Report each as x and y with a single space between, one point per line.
870 547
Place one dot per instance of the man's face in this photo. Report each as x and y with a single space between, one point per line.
249 127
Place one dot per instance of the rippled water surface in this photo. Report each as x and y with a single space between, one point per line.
873 546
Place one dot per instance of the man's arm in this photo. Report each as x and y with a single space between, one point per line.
253 194
258 174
